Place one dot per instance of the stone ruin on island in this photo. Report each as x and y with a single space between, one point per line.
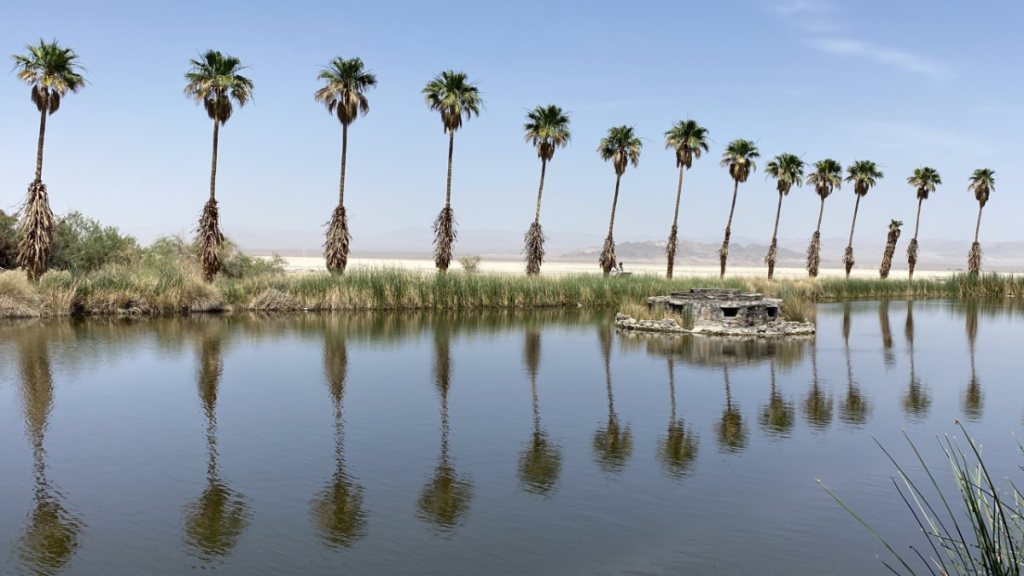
719 311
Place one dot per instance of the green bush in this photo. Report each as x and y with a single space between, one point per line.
8 241
82 245
168 250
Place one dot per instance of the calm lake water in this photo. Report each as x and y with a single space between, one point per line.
493 443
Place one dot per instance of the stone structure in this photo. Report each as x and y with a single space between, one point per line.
717 311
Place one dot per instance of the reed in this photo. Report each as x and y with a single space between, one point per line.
175 285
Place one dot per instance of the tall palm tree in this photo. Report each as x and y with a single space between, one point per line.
344 95
452 95
51 71
541 461
739 157
826 178
214 80
622 147
788 171
890 248
865 175
547 128
924 180
677 450
983 183
688 139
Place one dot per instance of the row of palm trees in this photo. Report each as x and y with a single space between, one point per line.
214 80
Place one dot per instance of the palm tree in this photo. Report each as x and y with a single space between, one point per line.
916 401
456 98
677 450
51 71
778 416
973 400
890 248
865 175
547 129
788 171
818 403
983 183
541 461
925 180
343 94
214 80
827 177
730 428
622 147
855 408
739 157
886 329
688 139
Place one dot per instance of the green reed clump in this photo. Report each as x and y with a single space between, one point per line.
984 536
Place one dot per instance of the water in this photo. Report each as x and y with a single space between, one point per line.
483 443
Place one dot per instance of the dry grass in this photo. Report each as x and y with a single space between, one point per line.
336 247
18 297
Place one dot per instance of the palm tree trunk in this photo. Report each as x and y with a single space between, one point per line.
848 257
213 162
607 259
540 191
814 250
344 154
534 237
723 253
672 390
773 250
336 248
451 147
673 235
912 247
42 137
974 257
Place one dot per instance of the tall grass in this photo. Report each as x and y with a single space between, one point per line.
984 536
167 285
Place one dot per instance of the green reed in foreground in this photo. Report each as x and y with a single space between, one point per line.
171 287
983 537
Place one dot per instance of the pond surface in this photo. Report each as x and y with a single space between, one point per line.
492 443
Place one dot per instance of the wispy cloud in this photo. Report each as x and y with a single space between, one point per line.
895 57
817 18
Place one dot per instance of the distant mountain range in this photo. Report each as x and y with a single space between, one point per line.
690 253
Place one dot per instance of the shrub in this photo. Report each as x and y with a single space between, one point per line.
82 245
8 241
171 250
470 264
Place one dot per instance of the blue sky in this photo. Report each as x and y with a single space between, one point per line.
906 84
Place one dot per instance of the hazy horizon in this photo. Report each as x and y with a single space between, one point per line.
901 87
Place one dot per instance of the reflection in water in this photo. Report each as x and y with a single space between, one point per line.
337 511
817 404
215 521
677 450
541 461
731 430
854 409
613 444
445 499
883 320
916 400
778 416
973 399
51 535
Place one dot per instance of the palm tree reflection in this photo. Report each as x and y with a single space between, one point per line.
444 500
974 399
731 430
541 461
51 535
883 320
817 403
337 511
677 450
916 400
855 408
216 520
778 416
613 444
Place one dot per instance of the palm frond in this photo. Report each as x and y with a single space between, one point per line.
739 158
336 248
982 183
51 71
689 140
444 238
925 180
787 170
534 248
210 240
215 82
456 98
547 128
864 174
622 146
344 89
37 224
826 178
